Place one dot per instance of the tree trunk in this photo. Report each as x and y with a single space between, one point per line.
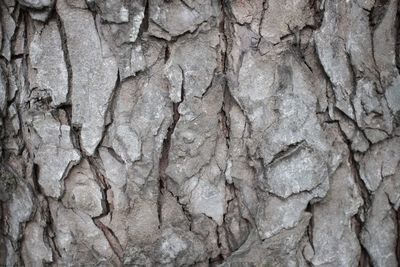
199 133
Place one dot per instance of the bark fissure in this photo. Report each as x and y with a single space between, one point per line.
165 150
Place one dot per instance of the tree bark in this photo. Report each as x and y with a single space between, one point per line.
199 133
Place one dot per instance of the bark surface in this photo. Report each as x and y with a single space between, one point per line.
199 133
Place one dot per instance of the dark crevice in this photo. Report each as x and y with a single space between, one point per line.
216 261
35 178
353 82
107 209
310 227
167 54
164 159
101 181
50 233
357 225
372 30
357 221
227 97
365 260
223 116
224 122
318 12
355 171
186 5
264 8
75 133
286 152
66 56
144 26
20 21
110 114
378 13
9 173
219 259
112 240
344 116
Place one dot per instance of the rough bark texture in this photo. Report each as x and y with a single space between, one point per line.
200 133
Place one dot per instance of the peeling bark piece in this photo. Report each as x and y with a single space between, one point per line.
8 27
78 239
36 4
133 53
113 11
47 62
82 191
20 40
391 186
332 53
197 56
359 44
177 248
379 234
172 213
196 134
35 251
115 170
245 11
276 251
207 230
334 241
208 199
134 185
93 75
126 143
142 227
80 4
372 112
137 62
384 40
254 87
173 18
194 140
20 209
15 121
274 92
133 135
39 10
174 75
238 227
275 215
40 15
12 256
392 95
354 134
54 153
116 176
3 91
284 17
300 170
379 162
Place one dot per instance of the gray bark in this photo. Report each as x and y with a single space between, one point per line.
199 133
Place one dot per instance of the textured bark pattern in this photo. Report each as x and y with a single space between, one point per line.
200 133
